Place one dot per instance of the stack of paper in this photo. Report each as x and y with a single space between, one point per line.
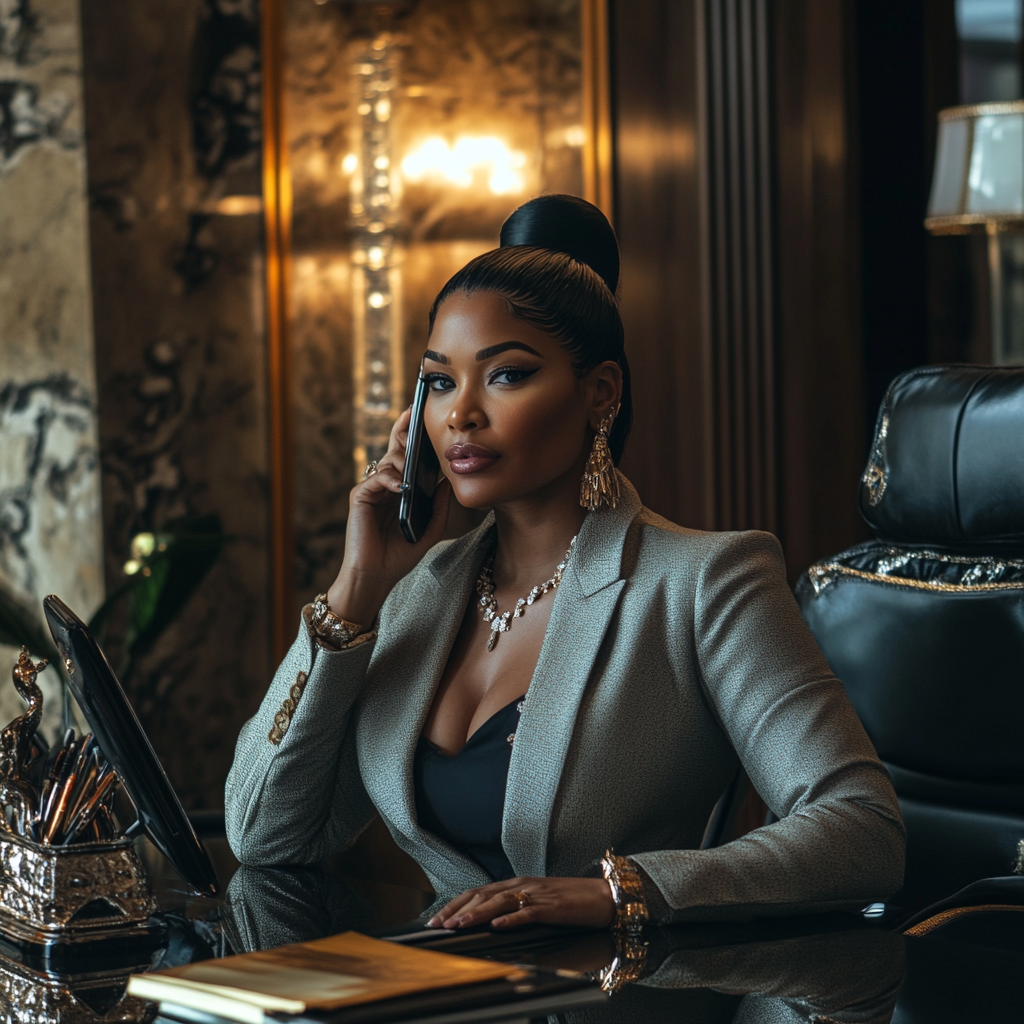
328 974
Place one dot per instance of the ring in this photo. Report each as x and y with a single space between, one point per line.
522 897
371 468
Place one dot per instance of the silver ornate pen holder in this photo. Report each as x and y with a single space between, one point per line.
35 994
75 893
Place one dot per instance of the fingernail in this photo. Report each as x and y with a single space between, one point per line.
500 922
404 486
433 922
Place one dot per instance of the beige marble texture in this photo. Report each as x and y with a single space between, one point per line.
50 532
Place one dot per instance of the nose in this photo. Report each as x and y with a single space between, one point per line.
466 412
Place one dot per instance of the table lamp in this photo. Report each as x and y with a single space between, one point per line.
979 182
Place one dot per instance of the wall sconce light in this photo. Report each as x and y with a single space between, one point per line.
374 197
978 182
470 158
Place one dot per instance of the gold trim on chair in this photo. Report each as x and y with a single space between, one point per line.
972 580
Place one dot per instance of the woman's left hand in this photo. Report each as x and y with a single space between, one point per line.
586 902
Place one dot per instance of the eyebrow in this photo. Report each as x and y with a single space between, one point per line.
485 353
493 350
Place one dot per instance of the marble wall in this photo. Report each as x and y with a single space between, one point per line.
173 108
50 538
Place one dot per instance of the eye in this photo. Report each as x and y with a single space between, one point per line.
512 374
438 381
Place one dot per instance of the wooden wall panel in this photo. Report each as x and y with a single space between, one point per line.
820 350
658 219
739 259
737 212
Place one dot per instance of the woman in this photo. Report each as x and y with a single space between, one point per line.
575 675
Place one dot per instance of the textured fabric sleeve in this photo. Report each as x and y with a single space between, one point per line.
302 798
840 840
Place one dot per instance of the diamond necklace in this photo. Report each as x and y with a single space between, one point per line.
485 588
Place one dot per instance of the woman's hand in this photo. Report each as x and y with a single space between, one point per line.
377 555
586 902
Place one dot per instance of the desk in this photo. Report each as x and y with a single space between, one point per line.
826 968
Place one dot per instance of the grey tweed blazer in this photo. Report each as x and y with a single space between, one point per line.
671 657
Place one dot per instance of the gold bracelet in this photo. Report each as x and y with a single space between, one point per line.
627 891
628 964
327 626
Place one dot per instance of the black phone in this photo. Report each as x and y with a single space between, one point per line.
421 471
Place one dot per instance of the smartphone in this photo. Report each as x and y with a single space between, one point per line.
421 472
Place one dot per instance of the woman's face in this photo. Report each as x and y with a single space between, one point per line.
506 414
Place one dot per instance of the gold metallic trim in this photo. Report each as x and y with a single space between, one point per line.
981 110
951 915
874 475
277 210
819 580
598 187
283 718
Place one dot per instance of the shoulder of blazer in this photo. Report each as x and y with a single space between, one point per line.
657 549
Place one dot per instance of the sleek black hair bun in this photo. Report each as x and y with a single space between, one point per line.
557 268
567 224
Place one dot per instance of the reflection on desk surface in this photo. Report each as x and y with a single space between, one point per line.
826 968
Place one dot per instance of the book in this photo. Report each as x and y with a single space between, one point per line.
327 974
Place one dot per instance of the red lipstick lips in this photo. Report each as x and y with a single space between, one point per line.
470 458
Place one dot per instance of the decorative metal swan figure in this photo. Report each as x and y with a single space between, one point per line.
16 792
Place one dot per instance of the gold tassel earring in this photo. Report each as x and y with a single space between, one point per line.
600 485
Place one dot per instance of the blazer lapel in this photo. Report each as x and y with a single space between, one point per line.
424 643
583 608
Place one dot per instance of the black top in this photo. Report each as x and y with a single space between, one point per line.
461 799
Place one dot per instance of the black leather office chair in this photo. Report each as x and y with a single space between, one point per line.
925 624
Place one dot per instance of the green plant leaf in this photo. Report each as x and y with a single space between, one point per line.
175 575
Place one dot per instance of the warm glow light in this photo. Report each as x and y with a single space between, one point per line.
143 545
238 206
575 135
460 163
350 163
378 299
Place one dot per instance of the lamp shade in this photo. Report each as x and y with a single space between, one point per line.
979 168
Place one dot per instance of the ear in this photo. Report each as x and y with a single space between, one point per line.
604 391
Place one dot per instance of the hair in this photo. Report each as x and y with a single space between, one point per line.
557 269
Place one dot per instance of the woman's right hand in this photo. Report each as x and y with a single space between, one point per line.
377 555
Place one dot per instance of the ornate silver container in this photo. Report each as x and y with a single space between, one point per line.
81 892
34 996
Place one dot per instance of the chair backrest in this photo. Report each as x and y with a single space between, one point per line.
925 624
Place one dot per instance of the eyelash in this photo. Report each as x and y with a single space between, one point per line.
524 373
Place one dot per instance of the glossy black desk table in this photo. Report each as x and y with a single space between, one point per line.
825 968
